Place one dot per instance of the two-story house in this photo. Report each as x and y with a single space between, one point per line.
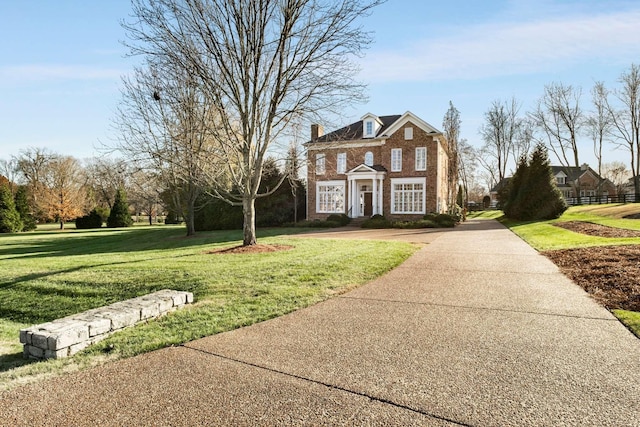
581 182
577 185
394 166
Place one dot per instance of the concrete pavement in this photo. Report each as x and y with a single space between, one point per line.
476 328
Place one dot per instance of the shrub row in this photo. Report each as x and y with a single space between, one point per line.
428 221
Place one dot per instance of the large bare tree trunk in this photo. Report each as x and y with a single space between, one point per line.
249 226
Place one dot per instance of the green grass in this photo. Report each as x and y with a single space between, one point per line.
51 274
631 319
493 214
544 236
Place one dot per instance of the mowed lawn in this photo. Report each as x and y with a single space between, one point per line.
45 275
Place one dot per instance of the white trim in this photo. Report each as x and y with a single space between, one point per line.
421 168
357 143
416 180
410 117
341 163
334 183
396 164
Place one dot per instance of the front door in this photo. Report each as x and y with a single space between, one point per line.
368 204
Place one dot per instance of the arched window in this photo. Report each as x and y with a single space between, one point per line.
368 158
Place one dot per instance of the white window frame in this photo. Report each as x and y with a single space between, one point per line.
408 133
561 180
368 158
396 160
408 200
341 163
330 196
321 166
369 128
421 158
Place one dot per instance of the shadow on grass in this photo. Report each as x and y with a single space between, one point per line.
99 241
14 360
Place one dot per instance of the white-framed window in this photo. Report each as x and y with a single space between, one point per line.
341 163
330 197
368 158
421 158
587 193
320 164
408 195
368 128
408 134
396 159
561 180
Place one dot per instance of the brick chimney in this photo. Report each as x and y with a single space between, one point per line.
316 131
584 167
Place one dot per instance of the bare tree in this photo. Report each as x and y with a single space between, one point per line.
9 169
451 129
500 133
466 167
598 123
617 173
626 120
559 117
33 165
261 63
165 127
105 176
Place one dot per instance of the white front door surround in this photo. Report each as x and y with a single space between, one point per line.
364 179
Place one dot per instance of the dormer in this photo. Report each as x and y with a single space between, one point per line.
561 178
371 124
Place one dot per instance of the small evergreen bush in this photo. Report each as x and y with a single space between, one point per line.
22 206
92 220
119 216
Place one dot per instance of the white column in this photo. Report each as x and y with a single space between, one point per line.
350 198
374 198
381 201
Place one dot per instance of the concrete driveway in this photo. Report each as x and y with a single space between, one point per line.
475 329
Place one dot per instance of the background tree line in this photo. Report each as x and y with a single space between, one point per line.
562 120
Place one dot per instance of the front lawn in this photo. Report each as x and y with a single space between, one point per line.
51 274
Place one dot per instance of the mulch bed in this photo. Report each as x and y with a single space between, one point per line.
598 230
610 274
252 249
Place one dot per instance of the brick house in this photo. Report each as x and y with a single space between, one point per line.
394 166
582 181
573 182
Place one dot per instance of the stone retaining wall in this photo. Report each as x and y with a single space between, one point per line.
67 336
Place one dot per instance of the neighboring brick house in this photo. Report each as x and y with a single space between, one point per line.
582 181
394 166
573 182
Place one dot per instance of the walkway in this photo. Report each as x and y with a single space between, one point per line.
475 329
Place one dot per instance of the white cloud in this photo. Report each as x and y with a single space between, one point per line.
501 49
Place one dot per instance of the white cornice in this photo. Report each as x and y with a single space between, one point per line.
373 142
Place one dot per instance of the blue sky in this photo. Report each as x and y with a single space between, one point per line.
61 62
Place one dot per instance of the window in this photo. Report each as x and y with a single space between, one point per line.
330 197
561 180
408 196
368 158
368 128
342 163
421 158
396 159
320 164
408 134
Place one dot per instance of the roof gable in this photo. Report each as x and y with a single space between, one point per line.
410 117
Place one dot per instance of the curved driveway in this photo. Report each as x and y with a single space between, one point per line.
476 328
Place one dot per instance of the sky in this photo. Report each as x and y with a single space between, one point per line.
61 63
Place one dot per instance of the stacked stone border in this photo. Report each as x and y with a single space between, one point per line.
67 336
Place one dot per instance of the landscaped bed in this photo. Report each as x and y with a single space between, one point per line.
611 274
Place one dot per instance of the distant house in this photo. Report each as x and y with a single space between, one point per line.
394 166
573 182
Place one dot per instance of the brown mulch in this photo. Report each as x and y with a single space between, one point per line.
610 274
251 249
598 230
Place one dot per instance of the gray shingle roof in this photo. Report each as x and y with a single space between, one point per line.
354 131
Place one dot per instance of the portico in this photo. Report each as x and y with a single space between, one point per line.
366 190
